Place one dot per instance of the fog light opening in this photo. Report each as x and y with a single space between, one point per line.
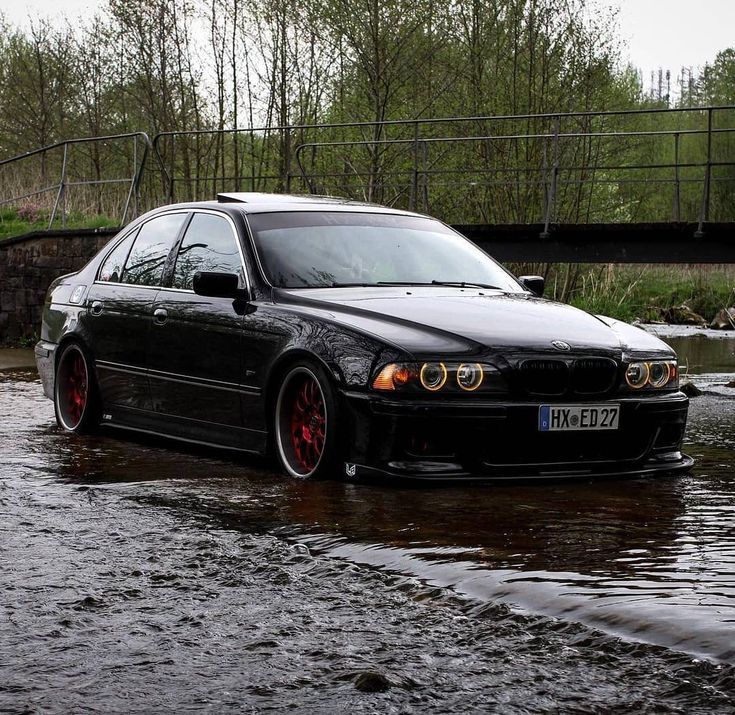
420 445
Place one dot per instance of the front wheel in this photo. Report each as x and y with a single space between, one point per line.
306 423
75 391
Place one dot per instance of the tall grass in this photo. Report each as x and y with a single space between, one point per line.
630 292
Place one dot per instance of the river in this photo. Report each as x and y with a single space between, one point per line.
141 576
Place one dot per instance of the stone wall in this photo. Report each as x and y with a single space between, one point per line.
28 264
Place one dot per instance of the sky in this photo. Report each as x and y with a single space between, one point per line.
674 33
659 33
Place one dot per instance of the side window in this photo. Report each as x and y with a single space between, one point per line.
112 268
153 244
209 245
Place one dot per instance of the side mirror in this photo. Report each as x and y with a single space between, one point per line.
533 283
218 285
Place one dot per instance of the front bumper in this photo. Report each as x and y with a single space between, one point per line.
500 441
45 353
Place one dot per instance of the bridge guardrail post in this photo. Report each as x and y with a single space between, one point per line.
704 211
415 176
60 194
425 177
552 185
131 192
677 178
139 168
171 189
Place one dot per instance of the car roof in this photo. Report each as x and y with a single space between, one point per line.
256 202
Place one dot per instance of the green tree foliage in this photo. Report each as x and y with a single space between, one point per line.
36 86
286 65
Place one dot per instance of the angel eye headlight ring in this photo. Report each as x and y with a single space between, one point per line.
433 376
659 373
637 375
469 376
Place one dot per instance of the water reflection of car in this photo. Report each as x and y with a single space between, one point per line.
351 339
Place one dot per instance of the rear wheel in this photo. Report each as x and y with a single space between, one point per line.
75 391
306 423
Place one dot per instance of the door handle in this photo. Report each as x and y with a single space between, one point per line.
160 316
96 307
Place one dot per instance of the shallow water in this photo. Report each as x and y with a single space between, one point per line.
699 354
142 576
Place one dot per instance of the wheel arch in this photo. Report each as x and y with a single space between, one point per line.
77 338
71 337
280 368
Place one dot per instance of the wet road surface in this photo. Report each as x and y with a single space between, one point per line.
145 577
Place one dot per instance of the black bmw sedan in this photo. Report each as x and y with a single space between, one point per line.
351 339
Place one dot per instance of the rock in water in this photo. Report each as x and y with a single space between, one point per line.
690 389
682 315
724 320
370 682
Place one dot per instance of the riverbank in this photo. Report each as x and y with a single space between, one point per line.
644 292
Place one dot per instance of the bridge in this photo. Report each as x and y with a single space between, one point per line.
647 185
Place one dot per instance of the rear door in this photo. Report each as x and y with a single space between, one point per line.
120 309
195 342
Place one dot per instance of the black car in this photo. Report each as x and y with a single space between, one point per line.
351 339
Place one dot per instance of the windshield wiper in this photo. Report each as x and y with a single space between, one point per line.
403 283
458 284
349 285
465 284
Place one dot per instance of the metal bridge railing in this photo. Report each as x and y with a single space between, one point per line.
551 165
114 161
576 167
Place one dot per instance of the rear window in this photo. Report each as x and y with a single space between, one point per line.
112 268
154 242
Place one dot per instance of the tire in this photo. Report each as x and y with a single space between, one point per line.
76 400
305 422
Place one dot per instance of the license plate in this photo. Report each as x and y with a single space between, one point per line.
576 418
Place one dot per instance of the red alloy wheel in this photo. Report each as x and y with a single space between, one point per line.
308 422
73 391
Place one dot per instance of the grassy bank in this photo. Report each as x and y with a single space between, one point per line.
16 222
630 292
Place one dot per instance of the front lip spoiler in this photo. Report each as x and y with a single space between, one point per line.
498 407
551 475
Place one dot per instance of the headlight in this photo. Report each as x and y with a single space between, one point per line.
440 377
656 374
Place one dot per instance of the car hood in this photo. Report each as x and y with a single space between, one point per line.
455 320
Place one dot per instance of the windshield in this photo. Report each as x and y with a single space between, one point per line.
307 249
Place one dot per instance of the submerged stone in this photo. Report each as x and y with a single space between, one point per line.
690 389
724 320
371 682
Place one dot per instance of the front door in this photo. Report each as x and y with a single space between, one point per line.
195 343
